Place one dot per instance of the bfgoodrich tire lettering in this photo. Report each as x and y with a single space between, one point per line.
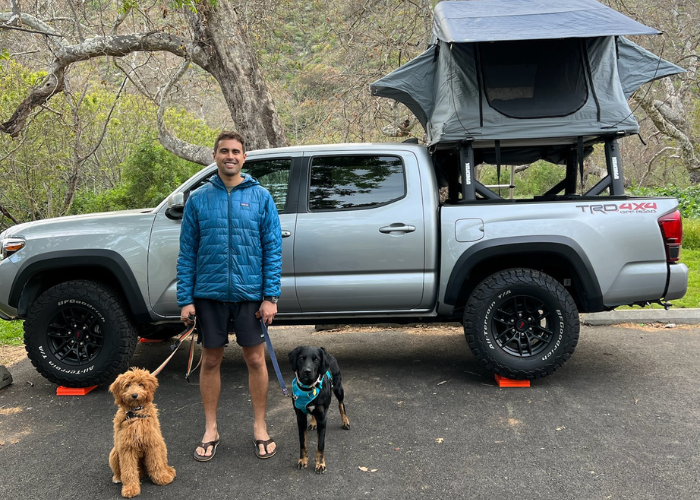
521 324
77 334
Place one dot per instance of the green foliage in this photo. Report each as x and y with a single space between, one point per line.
688 198
148 176
535 180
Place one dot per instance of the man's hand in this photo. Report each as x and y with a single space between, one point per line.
267 311
187 314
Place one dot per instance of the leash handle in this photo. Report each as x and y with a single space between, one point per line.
273 358
175 347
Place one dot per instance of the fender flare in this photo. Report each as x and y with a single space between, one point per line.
591 295
65 259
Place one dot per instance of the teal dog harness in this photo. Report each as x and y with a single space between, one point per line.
304 395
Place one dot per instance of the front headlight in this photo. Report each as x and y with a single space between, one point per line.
8 246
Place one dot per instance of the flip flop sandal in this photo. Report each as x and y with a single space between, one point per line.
205 458
268 454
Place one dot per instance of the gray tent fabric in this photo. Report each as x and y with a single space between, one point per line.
497 20
533 90
638 66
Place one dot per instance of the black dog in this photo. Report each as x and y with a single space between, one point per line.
317 372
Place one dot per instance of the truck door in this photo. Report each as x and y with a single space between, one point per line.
360 238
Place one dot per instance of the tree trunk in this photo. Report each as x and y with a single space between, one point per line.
232 62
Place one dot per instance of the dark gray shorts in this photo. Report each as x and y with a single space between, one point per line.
215 319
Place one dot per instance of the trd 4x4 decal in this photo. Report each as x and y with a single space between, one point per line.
623 208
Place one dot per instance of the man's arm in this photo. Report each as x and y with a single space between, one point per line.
187 258
271 239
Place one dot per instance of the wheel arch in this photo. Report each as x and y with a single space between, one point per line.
40 273
558 256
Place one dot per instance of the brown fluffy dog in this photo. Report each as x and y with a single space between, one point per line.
139 448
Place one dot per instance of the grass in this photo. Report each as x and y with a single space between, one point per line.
11 332
691 258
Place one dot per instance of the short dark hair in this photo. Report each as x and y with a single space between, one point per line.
226 135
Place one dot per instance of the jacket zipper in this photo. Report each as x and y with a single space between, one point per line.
228 245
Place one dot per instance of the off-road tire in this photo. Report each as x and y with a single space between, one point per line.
521 324
79 334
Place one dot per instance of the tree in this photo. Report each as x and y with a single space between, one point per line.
670 105
144 42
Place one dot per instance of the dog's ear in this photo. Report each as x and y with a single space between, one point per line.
152 382
293 355
117 387
325 361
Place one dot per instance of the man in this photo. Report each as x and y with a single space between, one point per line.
228 272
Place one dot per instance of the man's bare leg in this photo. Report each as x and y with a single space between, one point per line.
258 384
210 388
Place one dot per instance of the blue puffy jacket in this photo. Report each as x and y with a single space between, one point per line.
230 244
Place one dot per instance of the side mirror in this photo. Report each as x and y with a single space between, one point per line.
176 206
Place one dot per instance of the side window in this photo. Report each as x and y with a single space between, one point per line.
355 182
273 175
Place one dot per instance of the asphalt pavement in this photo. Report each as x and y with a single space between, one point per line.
618 421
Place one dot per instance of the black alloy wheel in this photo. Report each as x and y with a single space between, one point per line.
521 323
74 335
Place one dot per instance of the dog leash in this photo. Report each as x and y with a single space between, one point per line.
176 345
273 358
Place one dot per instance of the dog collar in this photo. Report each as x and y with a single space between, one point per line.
319 382
304 395
132 413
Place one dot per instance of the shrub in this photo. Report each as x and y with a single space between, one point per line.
688 198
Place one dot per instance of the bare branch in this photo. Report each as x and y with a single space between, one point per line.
665 126
120 19
128 74
650 164
115 45
7 214
31 21
75 21
104 127
190 152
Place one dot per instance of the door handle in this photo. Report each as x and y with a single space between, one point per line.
397 227
286 234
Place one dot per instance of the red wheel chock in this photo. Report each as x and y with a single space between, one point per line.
509 382
73 391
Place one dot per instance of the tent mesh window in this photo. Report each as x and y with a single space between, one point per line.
534 78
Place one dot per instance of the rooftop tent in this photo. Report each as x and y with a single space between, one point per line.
525 72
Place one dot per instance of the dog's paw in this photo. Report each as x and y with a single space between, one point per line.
321 468
346 423
131 491
303 463
164 477
312 426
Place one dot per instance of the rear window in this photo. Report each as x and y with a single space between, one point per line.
355 182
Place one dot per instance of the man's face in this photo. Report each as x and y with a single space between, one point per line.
229 157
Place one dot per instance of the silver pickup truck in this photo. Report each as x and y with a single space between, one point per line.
367 238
